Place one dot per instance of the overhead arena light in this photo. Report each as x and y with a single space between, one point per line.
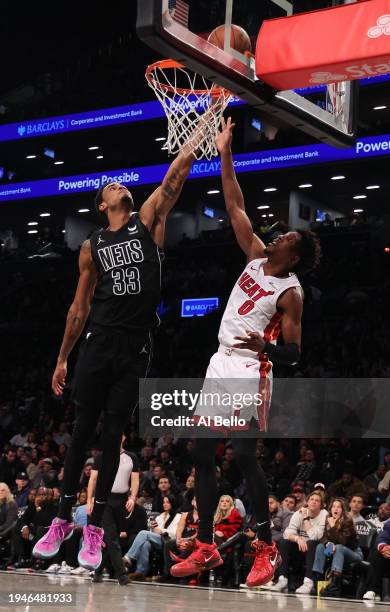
305 186
58 163
30 156
359 197
270 215
94 148
83 210
263 207
32 231
99 156
373 187
269 189
160 139
213 191
264 215
32 223
339 177
379 107
358 210
44 215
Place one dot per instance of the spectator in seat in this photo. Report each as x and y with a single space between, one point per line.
132 524
188 493
9 467
32 526
227 520
280 518
378 579
146 498
22 489
356 505
20 438
339 542
299 493
372 482
165 524
307 471
85 476
28 465
184 542
61 435
47 475
8 518
290 503
346 487
164 490
378 520
299 543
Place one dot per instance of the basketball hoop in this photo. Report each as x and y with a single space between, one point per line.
193 106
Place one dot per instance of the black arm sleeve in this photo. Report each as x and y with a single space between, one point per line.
288 354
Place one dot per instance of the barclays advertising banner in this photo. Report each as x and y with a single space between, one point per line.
114 116
247 162
85 121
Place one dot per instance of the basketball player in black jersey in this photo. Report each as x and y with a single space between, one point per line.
119 290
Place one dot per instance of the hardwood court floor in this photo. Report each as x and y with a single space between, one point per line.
141 597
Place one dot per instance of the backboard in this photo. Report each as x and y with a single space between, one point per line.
178 29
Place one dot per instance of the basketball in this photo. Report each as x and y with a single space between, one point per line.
239 38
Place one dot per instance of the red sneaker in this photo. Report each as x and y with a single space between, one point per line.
266 562
204 557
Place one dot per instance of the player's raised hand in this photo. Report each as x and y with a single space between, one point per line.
252 341
224 138
58 380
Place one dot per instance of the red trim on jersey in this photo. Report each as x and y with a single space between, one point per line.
273 328
264 391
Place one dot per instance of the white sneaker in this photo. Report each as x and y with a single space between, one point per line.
65 569
80 571
371 596
53 568
306 587
280 586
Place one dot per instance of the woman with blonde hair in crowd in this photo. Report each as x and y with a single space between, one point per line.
339 543
8 517
227 520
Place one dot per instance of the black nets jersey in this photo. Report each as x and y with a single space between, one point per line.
128 286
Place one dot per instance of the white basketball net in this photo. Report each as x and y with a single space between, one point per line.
193 106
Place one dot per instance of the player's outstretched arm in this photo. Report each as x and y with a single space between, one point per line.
252 246
154 211
77 315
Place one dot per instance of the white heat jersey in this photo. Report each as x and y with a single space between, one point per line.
252 306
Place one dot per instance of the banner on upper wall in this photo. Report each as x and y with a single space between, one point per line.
133 113
275 159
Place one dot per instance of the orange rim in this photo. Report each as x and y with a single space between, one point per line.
171 64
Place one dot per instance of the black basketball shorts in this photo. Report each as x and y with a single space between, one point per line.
109 366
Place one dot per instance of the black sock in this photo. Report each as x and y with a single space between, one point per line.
263 532
66 504
97 513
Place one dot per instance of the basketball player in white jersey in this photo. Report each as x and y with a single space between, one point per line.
267 299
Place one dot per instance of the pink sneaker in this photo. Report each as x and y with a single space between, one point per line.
49 545
90 555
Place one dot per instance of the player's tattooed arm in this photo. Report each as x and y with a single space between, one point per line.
251 244
155 210
77 314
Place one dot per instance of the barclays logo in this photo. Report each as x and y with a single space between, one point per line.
21 130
